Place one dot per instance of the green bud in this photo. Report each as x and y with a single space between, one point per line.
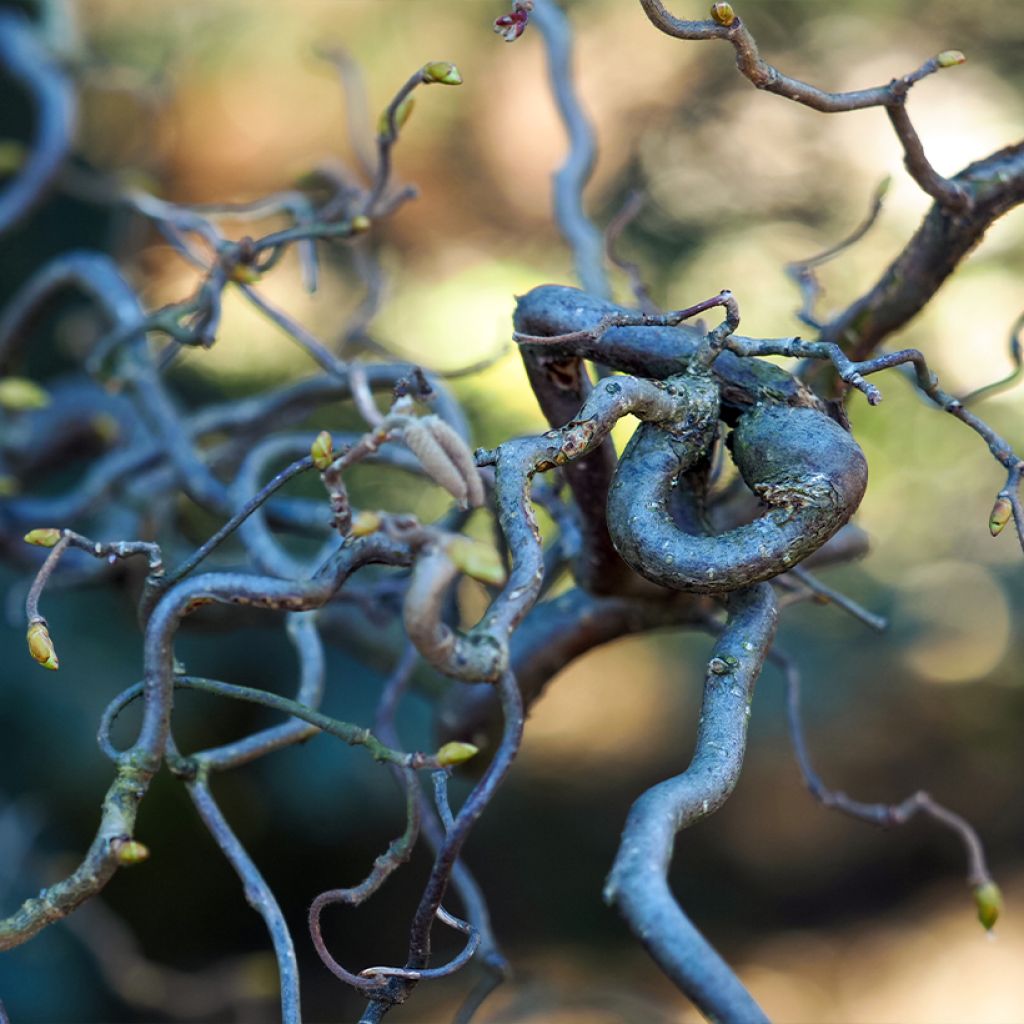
40 646
402 114
455 753
949 58
105 427
989 901
443 72
9 486
360 224
242 273
1000 515
365 523
322 450
12 156
44 537
723 14
129 851
19 394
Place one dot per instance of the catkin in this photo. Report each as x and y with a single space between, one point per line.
461 457
420 440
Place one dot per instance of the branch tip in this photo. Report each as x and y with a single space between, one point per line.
1002 512
44 537
322 451
950 58
40 645
455 753
442 72
989 900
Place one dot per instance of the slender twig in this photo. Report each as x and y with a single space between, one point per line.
400 849
829 595
359 132
388 135
54 103
1011 378
258 894
308 341
447 855
571 178
763 75
883 815
802 271
948 193
612 320
112 551
353 735
638 884
181 570
627 214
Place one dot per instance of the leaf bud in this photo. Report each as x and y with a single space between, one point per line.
455 753
245 273
44 537
19 394
949 58
360 224
365 523
442 72
129 851
12 156
402 114
723 14
1000 515
476 559
322 450
105 427
989 901
40 646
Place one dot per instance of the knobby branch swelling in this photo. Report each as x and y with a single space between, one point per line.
650 538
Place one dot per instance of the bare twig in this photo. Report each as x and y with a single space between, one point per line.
802 271
883 815
630 209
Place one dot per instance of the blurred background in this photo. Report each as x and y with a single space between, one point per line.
824 918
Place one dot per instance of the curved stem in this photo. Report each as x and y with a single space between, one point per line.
638 884
23 59
258 894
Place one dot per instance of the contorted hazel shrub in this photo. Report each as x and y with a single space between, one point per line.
475 607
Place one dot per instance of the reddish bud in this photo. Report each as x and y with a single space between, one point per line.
511 26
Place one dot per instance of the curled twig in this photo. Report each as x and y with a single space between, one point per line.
884 815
